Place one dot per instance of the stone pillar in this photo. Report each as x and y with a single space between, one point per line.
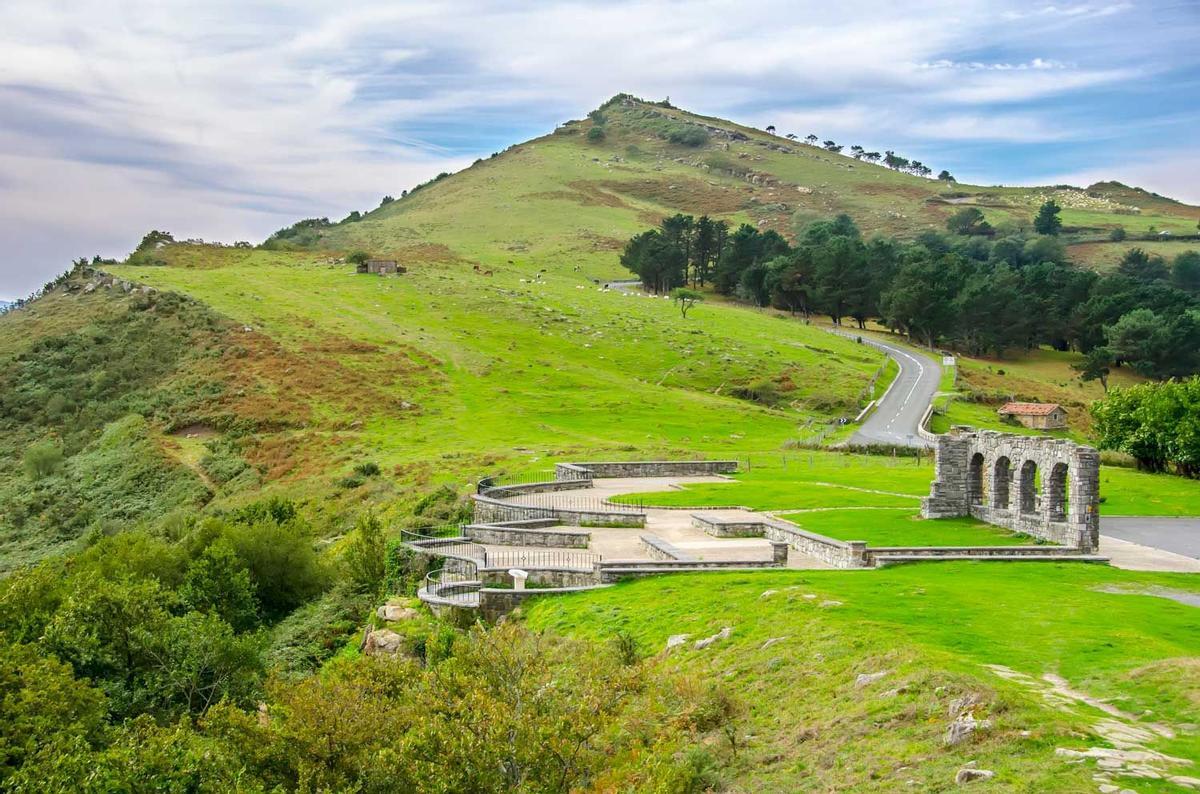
949 494
779 551
1083 511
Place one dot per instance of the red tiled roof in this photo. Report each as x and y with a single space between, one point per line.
1030 409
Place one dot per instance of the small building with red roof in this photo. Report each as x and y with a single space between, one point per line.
1041 416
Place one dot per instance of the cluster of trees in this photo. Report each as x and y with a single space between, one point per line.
143 664
1158 424
889 158
974 293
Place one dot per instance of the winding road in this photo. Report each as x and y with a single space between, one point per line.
897 417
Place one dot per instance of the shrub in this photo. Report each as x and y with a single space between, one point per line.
691 135
595 134
366 557
367 469
43 460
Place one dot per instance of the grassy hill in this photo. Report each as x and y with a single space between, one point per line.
499 349
850 681
206 378
564 200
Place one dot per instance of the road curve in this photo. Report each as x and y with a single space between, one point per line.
897 416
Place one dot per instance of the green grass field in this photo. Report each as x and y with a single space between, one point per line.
509 371
903 527
933 630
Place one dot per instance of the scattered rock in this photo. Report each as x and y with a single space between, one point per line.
723 634
382 642
768 593
396 612
970 775
963 726
865 679
675 640
772 641
830 604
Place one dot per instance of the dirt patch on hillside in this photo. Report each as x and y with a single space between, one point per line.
582 192
427 252
696 196
195 430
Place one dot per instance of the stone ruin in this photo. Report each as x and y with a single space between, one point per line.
1045 487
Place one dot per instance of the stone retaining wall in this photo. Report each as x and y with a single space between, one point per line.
659 549
835 553
543 578
491 511
493 604
533 532
550 486
615 570
644 468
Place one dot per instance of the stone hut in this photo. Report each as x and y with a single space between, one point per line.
381 266
1045 487
1041 416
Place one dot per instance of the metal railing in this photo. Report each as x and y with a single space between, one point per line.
444 544
536 560
549 504
457 587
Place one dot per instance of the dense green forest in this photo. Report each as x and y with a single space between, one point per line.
966 291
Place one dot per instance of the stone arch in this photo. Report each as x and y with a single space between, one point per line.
1001 478
975 479
1029 474
1056 492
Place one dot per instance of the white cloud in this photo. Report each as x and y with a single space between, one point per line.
225 118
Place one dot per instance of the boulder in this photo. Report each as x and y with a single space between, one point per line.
676 640
397 612
963 726
970 775
723 634
382 642
865 679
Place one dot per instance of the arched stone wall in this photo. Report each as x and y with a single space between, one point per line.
1045 487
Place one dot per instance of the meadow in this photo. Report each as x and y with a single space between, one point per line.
934 633
468 371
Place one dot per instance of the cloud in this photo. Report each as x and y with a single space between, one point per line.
227 119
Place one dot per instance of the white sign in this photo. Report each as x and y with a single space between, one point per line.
947 361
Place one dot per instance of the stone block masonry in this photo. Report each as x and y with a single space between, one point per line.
644 468
1048 488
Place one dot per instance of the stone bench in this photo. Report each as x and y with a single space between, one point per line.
660 549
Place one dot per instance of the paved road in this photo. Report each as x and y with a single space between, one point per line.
895 419
1178 535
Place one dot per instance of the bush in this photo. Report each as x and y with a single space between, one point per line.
691 135
367 469
366 558
1117 234
43 460
595 134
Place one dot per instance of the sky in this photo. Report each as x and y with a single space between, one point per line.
228 120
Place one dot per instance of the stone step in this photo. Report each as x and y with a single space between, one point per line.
884 560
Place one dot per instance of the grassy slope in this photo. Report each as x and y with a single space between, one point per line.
1104 256
506 371
932 628
903 527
